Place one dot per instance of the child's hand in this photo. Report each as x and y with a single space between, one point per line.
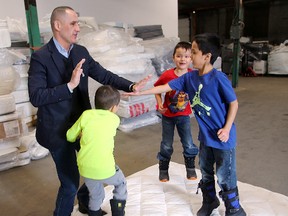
223 135
161 109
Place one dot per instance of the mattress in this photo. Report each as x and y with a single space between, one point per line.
7 103
148 196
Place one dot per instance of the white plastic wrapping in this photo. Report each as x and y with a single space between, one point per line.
9 78
162 48
38 152
13 142
7 104
8 158
134 67
129 124
22 70
26 109
17 29
24 158
21 96
278 60
105 40
117 51
5 40
138 107
30 144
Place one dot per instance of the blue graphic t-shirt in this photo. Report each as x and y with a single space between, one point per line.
210 96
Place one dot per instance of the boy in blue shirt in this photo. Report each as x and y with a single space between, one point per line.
215 105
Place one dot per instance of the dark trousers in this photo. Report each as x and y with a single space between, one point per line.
64 157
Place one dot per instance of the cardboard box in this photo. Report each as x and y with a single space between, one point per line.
260 66
9 129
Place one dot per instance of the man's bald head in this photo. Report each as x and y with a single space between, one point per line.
57 13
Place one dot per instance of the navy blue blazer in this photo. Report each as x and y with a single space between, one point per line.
47 86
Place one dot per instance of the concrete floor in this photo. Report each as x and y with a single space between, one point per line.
262 123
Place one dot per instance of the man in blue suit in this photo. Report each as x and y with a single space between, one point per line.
58 86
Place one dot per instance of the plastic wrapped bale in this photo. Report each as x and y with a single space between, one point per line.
5 40
22 70
218 63
278 60
9 78
38 152
29 143
9 57
136 66
129 124
162 48
17 29
24 157
104 40
148 32
7 143
138 107
7 104
8 158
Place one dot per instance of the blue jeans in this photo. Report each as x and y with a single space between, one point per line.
182 124
66 165
225 166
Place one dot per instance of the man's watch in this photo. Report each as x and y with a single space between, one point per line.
131 87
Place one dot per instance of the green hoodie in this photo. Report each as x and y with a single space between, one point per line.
96 129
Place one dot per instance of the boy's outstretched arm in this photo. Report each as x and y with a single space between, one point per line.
223 133
155 90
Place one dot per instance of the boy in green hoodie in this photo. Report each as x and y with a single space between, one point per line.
96 129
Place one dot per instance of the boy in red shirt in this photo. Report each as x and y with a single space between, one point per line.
176 111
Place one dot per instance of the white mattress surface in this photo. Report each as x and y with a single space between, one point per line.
150 197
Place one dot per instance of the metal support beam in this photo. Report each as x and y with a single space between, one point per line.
32 25
193 26
235 34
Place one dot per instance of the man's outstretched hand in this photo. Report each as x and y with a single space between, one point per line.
137 87
141 84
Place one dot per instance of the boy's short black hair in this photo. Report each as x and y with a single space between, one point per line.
106 97
182 44
209 43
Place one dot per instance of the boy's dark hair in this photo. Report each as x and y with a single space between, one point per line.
182 44
106 96
209 43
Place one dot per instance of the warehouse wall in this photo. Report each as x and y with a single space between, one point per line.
265 21
278 17
148 12
183 29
